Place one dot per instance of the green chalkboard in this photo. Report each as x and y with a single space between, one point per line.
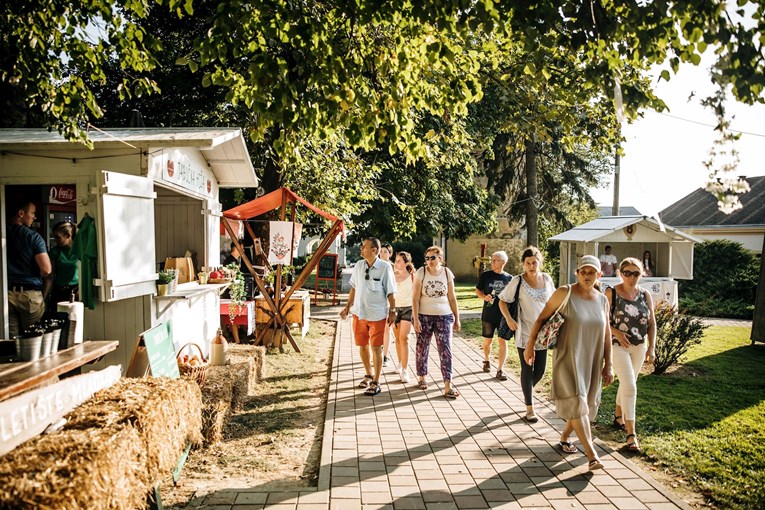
328 267
161 351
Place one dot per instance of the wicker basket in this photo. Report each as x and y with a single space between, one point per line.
218 280
197 373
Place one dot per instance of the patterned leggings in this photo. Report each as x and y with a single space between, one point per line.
439 326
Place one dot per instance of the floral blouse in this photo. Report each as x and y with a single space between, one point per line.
631 316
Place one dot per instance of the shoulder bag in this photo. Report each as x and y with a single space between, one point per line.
504 331
547 338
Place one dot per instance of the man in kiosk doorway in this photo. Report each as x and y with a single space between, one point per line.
29 269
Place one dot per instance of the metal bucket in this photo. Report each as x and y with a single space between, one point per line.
28 349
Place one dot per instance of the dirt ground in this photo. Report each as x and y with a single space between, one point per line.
274 442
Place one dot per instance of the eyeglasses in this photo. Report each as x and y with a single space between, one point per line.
630 274
431 257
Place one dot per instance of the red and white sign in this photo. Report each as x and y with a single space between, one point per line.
62 194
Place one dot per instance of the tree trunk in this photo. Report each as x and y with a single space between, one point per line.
532 218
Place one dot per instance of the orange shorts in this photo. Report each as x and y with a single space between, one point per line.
368 332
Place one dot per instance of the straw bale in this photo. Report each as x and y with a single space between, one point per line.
238 373
217 394
94 468
166 412
239 353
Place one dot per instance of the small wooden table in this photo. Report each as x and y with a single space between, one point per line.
16 378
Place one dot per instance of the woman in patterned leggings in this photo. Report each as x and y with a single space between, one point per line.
435 313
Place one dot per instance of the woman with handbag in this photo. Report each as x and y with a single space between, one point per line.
529 291
582 358
435 314
632 323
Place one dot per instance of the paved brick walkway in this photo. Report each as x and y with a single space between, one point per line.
411 449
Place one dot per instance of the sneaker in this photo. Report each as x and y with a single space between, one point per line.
501 376
486 367
404 376
386 363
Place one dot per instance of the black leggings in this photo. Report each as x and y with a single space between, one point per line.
531 375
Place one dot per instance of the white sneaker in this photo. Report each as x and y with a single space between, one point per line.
404 376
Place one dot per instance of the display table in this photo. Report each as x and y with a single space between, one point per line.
297 311
245 314
16 378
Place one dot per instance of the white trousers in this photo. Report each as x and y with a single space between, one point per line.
627 365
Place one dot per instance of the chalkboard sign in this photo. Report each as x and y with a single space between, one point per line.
155 351
328 267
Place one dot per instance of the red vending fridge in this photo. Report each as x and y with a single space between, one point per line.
60 205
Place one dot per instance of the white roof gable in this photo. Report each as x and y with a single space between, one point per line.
223 148
611 229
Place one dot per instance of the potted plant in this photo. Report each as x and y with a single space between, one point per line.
236 290
164 281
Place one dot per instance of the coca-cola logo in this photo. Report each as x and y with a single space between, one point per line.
61 194
170 168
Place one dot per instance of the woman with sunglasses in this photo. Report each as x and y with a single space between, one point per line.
435 313
633 330
582 358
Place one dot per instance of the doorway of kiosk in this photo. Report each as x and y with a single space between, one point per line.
51 207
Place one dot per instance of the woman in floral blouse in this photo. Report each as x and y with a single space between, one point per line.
633 330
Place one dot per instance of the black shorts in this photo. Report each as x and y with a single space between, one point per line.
488 329
403 314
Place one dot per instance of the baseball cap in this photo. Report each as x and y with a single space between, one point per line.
589 260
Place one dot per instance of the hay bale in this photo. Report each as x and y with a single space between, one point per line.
166 412
217 394
238 373
239 353
93 468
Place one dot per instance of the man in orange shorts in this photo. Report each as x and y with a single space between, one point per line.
372 304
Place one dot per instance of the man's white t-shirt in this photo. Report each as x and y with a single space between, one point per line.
608 264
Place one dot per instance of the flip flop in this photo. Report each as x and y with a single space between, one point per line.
595 464
452 393
567 447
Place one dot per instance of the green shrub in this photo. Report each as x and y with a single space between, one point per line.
724 281
675 334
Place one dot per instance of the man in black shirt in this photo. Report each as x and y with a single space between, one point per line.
490 284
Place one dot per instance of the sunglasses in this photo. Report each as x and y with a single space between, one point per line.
431 257
630 274
366 276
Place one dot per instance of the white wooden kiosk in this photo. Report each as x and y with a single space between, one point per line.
631 236
154 193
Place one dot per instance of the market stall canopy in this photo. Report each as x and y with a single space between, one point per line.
272 201
223 148
617 229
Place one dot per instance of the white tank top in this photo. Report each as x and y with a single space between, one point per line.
404 292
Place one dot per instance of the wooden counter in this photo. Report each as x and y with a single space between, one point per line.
16 378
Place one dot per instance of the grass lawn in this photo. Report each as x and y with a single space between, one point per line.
703 422
466 298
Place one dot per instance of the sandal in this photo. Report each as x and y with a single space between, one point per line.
620 426
365 382
633 446
374 389
567 447
452 393
422 385
595 464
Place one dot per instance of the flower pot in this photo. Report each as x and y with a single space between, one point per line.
162 289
